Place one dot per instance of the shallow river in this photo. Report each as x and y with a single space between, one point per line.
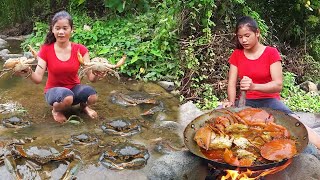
28 99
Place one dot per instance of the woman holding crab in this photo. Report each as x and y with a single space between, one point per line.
59 56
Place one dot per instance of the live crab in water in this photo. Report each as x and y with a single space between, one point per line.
121 127
124 155
14 65
137 98
101 65
15 122
249 137
40 156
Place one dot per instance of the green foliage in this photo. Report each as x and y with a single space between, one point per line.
315 48
264 29
204 90
37 37
189 42
120 6
312 69
297 99
149 40
14 11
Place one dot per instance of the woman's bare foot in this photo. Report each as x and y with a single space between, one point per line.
90 112
59 117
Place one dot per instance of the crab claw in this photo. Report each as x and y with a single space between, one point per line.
80 57
230 158
34 52
121 62
203 137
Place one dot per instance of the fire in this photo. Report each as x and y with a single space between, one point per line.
253 175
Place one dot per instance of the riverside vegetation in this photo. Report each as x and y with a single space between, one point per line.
189 42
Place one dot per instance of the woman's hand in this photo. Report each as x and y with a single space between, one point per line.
246 83
24 73
227 104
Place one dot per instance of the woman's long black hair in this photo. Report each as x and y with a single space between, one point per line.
59 15
245 21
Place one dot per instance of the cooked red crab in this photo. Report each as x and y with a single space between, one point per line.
255 115
278 149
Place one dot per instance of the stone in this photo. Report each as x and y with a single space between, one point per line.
177 165
304 166
188 112
4 53
309 119
309 86
167 85
3 44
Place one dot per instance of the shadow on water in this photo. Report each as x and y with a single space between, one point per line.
31 98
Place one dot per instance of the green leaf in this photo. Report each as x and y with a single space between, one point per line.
156 52
81 2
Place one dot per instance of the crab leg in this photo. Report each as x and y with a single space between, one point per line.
34 52
72 169
11 166
120 63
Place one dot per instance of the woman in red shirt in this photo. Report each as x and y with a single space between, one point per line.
59 56
259 68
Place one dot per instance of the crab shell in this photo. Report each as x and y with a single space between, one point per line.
279 149
19 64
99 60
125 156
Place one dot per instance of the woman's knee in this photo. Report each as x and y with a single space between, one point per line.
58 95
84 94
68 100
92 99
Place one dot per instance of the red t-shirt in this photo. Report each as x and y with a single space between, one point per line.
258 70
61 73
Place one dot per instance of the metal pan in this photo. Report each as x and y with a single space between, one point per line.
294 126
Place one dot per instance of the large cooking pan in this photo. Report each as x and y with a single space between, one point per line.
294 126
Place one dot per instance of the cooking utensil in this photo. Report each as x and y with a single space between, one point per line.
294 126
242 100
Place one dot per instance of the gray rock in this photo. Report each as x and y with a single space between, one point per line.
3 44
169 86
304 166
177 165
16 38
187 113
309 119
309 86
28 55
4 53
12 56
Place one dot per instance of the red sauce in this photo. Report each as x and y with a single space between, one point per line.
215 154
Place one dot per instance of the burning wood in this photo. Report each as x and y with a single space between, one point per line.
253 175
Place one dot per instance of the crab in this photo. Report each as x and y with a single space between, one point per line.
14 65
163 146
121 127
100 64
159 108
83 139
15 122
242 138
252 115
131 99
125 155
39 156
279 149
